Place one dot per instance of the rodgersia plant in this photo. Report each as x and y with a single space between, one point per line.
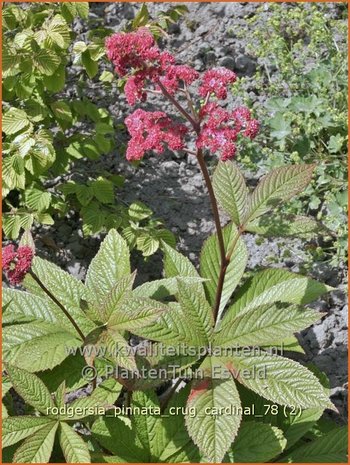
224 338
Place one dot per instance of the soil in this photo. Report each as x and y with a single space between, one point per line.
173 187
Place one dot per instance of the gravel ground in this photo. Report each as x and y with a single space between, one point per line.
173 187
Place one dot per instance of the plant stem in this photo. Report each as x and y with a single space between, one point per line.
189 118
57 302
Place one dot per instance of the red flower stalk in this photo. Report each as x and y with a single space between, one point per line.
16 263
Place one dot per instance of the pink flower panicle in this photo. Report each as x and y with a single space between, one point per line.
215 81
220 129
152 131
16 263
134 50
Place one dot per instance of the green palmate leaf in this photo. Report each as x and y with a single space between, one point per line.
65 287
301 226
146 425
264 325
290 344
171 436
14 120
37 345
211 429
256 443
176 264
38 447
162 288
75 450
330 448
211 260
198 313
24 304
59 395
275 285
118 349
280 380
111 263
14 429
176 326
134 313
278 186
70 370
112 300
31 388
114 435
230 190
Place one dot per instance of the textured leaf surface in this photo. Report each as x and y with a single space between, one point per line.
146 425
275 285
31 388
278 186
280 380
256 443
265 324
230 190
37 345
67 289
74 449
298 226
213 434
210 262
14 120
111 263
115 436
330 448
14 429
176 264
38 447
134 313
115 297
162 288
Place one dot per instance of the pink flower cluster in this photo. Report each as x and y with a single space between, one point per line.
152 131
16 263
220 129
137 57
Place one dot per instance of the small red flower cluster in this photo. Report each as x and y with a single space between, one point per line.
137 56
150 131
16 263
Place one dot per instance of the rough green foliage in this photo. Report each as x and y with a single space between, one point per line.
302 69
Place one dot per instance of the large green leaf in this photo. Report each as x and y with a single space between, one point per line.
211 260
265 324
197 311
38 447
14 429
291 225
134 313
280 380
146 425
24 304
278 186
64 287
230 190
115 296
171 435
111 263
74 449
330 448
162 288
37 345
212 429
31 388
115 436
176 264
275 285
46 61
256 443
